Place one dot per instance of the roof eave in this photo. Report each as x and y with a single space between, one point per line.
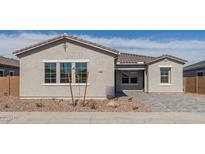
16 53
179 60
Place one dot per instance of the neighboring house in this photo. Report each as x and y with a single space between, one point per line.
197 69
45 67
8 67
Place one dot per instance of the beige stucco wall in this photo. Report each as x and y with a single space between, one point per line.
100 68
176 77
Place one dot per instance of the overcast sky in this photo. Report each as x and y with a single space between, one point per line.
189 45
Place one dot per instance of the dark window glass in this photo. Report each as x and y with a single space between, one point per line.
129 77
200 73
11 73
1 73
133 77
81 72
50 72
65 70
125 77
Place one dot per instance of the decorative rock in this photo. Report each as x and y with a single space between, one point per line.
112 103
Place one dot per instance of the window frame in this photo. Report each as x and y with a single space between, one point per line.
168 75
81 78
67 74
200 72
50 78
130 77
58 71
125 78
11 71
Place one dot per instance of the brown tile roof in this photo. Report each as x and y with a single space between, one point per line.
134 58
9 61
69 37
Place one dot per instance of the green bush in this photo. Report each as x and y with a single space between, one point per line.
109 97
130 99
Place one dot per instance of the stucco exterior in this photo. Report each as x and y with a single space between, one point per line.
105 67
100 67
176 81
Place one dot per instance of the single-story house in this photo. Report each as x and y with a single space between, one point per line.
197 69
8 67
45 67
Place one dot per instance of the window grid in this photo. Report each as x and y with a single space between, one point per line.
50 72
164 74
81 72
65 69
200 73
129 77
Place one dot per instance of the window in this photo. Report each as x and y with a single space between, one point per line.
65 69
50 72
1 72
129 77
165 75
11 73
133 77
81 72
200 73
125 77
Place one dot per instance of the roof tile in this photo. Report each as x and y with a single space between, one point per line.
134 58
9 61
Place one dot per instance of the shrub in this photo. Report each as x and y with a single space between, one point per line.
6 106
39 105
92 104
109 97
135 107
130 99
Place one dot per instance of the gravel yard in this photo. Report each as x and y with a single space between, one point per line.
14 104
141 102
170 102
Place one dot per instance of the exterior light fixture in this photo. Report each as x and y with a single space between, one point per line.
65 46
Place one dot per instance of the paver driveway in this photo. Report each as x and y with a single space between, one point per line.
169 102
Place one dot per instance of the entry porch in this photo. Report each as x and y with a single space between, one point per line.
132 78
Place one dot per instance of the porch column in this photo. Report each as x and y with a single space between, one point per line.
145 80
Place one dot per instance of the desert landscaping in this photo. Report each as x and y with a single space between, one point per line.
14 104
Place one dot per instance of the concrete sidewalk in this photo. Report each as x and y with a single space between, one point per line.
101 118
